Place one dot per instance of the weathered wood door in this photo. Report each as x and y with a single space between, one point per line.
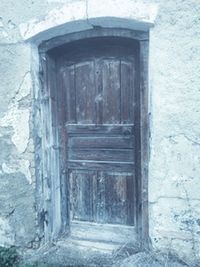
98 80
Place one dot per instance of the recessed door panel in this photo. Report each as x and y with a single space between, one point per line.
102 196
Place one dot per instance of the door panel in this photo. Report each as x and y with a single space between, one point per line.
99 85
114 155
114 201
81 197
102 197
100 91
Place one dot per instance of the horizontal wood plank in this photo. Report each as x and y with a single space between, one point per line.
100 142
124 155
101 165
111 129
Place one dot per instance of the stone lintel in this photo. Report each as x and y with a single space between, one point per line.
81 15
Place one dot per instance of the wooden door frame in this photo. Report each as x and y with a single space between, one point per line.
52 192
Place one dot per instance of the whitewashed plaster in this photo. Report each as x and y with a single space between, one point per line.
110 13
6 234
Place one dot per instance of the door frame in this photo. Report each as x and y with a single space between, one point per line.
51 186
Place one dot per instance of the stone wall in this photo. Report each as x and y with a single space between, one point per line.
175 140
174 202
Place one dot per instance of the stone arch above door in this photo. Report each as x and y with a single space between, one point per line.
83 15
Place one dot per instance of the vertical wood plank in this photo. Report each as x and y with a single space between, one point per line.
143 221
68 79
100 204
127 91
85 92
59 176
131 197
111 90
47 211
99 91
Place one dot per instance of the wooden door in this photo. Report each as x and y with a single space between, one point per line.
98 78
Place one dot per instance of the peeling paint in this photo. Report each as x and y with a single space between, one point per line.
25 87
1 22
22 166
11 24
19 120
6 234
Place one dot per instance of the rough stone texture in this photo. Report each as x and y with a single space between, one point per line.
174 202
17 212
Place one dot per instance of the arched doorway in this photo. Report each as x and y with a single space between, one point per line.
95 142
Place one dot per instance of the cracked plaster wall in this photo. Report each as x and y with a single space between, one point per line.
174 202
175 129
